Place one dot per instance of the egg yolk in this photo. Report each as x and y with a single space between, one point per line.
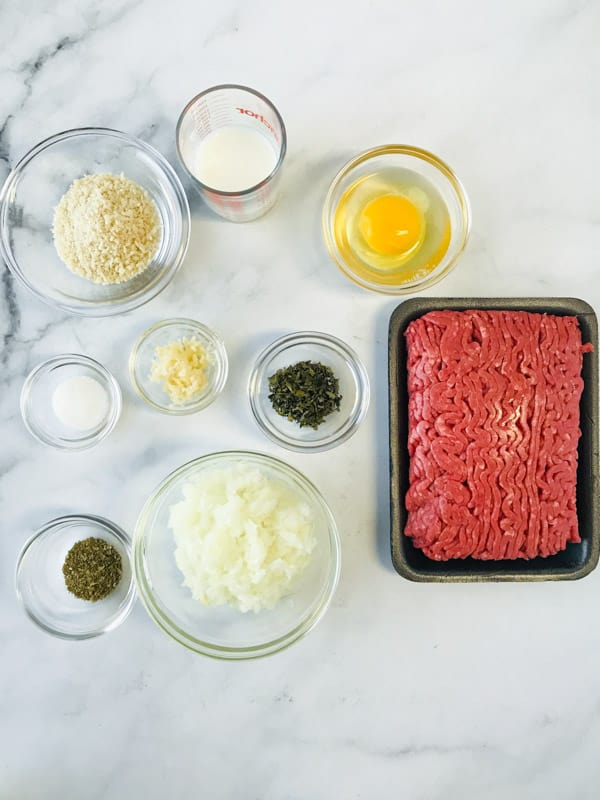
391 225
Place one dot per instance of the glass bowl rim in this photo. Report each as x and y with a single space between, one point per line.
222 358
109 307
126 604
205 648
115 398
415 152
329 342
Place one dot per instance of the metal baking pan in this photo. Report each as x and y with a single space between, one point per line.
577 560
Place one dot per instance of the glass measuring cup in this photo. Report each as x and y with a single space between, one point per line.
230 105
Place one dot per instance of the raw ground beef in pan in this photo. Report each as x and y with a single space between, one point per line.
493 427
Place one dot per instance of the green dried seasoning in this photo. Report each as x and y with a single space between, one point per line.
92 569
306 393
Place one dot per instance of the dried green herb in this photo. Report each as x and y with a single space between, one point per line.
92 569
306 393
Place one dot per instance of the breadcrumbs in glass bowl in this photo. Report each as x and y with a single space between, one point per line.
106 228
33 190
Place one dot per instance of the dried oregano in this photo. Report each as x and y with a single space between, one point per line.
92 569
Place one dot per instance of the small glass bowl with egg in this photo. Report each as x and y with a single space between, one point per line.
178 366
396 218
70 402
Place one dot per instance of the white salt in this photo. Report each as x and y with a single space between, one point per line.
80 403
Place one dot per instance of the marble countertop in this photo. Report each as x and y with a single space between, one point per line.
424 692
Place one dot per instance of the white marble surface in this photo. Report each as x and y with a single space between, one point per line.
415 691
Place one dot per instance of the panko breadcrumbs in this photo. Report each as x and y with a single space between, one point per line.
106 228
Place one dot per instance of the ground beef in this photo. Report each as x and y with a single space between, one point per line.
493 420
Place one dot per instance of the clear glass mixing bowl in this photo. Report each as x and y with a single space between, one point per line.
340 425
34 188
222 631
36 402
41 586
427 166
160 334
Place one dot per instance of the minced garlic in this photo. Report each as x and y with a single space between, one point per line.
181 367
106 228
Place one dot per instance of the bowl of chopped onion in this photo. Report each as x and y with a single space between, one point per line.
236 555
94 221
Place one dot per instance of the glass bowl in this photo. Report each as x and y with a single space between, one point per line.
41 587
142 354
221 631
34 188
36 402
353 381
427 166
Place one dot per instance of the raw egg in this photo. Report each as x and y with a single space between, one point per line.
392 226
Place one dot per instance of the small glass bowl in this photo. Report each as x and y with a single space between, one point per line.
427 166
221 631
142 355
353 381
41 587
36 402
32 191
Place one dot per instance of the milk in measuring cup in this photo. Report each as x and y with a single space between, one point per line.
233 159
